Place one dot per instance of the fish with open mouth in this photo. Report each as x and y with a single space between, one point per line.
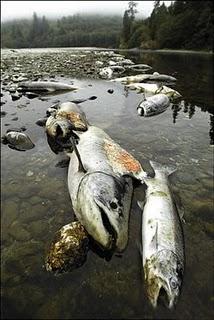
162 239
101 188
99 180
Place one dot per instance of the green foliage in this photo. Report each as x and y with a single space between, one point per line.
128 22
182 25
74 31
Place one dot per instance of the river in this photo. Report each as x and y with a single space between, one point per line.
36 203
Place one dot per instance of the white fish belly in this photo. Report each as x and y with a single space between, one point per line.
161 227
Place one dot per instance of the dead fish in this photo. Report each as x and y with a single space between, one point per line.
44 86
162 239
106 73
101 188
18 141
68 250
58 127
139 67
155 88
145 77
65 114
153 105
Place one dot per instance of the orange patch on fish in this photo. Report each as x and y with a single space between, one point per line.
75 118
121 157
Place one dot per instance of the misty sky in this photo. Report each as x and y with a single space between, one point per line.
25 9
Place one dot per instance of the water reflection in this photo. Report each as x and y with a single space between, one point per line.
193 71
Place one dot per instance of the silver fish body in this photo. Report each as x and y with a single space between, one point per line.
101 196
162 239
153 105
145 77
155 88
45 86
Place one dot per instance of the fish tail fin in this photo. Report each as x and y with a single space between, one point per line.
160 168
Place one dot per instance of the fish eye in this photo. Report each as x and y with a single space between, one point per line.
113 205
173 283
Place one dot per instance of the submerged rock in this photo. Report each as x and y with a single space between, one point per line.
18 141
69 248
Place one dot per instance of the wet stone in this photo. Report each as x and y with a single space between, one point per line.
38 229
30 213
15 119
3 113
15 96
18 232
34 200
9 213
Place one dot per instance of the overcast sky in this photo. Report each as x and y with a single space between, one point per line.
25 9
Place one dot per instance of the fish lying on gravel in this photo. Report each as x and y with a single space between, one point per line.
154 88
162 239
44 86
153 105
18 141
69 248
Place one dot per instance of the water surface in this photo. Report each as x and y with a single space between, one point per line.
36 203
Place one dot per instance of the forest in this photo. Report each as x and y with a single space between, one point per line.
181 25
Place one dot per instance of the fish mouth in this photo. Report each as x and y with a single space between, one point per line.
162 294
109 229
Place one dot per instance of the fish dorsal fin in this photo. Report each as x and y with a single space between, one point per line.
81 167
164 169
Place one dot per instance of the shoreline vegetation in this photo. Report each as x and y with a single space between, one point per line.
183 26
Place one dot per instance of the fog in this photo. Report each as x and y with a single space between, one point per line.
53 9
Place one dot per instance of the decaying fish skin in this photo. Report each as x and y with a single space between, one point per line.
101 196
64 118
145 77
18 141
69 249
58 127
162 239
100 184
45 86
153 105
155 88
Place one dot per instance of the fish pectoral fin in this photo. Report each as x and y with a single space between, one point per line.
81 167
141 204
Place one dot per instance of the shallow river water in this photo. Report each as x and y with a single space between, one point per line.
35 199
